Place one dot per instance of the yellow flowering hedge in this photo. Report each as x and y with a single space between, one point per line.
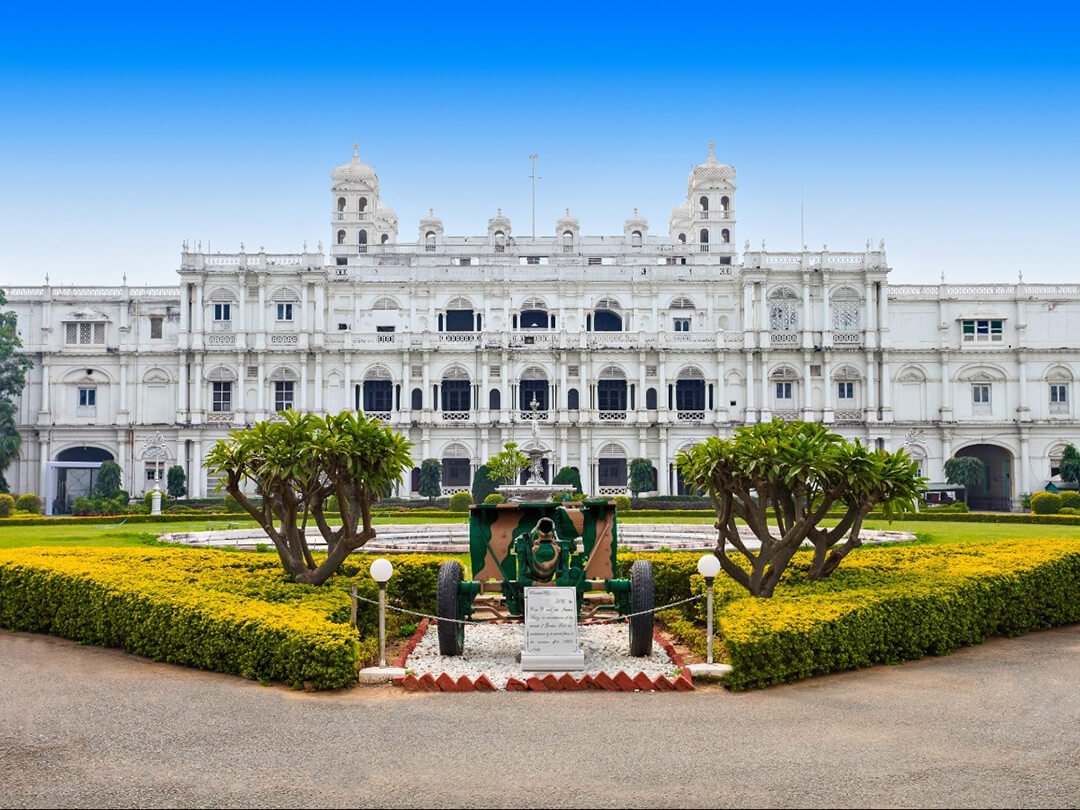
229 612
888 604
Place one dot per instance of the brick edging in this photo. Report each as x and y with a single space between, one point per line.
619 682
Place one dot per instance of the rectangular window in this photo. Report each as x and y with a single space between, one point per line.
342 327
221 397
84 334
1059 398
283 396
532 260
87 397
845 390
222 312
456 472
378 396
342 261
980 394
982 331
611 472
456 395
593 261
155 328
384 329
155 472
682 324
465 261
284 311
783 390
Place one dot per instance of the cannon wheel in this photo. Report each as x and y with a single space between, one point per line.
642 597
451 633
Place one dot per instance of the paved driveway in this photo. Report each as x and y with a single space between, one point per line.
996 725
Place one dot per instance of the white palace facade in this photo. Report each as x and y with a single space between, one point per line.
632 345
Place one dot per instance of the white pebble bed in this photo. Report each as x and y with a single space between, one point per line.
492 650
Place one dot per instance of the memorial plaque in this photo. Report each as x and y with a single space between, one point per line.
551 630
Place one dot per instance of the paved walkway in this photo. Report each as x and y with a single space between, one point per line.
995 725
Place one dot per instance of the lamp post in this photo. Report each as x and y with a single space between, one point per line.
381 571
708 566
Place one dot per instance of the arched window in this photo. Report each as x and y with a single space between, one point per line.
384 239
682 302
704 202
362 240
572 399
378 391
606 317
455 466
341 237
568 241
429 241
690 390
534 314
635 239
703 237
417 400
611 466
845 309
725 236
785 381
456 390
725 204
494 400
500 241
783 310
460 316
362 207
341 204
682 238
533 385
611 390
650 399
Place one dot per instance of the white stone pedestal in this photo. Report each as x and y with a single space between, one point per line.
379 674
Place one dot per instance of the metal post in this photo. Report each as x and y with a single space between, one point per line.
532 159
708 619
382 624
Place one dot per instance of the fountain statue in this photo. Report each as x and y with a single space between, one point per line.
535 489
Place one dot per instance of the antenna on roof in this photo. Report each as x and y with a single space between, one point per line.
532 159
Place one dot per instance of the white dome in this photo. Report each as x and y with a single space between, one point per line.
384 213
636 222
567 223
431 222
499 223
711 171
680 214
356 171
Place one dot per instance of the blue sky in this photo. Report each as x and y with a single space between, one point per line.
949 132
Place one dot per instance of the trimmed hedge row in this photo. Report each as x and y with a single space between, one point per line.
223 611
892 604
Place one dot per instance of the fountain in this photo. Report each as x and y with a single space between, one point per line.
535 489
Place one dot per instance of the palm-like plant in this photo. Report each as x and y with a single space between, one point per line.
295 465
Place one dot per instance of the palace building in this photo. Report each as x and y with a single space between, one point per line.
633 345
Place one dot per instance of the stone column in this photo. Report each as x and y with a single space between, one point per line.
871 388
751 406
663 474
829 414
946 389
871 321
886 388
1025 461
196 479
826 313
766 407
807 314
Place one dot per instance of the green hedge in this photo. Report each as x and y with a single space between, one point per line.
223 611
887 605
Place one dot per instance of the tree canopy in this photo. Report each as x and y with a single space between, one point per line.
176 481
13 368
295 464
430 479
1069 468
641 476
781 479
965 471
505 465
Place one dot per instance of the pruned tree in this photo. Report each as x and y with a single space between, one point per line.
430 479
482 485
641 476
505 465
13 367
109 480
296 465
966 472
781 479
176 482
1069 468
568 475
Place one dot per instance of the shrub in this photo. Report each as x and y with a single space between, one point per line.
622 503
176 481
568 475
228 613
1045 503
1069 510
460 501
495 497
148 500
109 478
7 505
482 485
1070 499
232 505
30 503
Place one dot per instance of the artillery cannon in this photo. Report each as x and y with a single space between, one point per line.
514 546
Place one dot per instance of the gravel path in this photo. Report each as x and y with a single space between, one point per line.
492 650
991 726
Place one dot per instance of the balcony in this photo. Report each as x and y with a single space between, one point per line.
219 418
847 338
533 416
786 339
690 416
611 416
455 416
851 416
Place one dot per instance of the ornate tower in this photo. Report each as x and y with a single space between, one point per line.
709 215
358 218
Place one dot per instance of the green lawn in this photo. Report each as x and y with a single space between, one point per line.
115 533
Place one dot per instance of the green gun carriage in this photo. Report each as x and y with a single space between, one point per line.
514 546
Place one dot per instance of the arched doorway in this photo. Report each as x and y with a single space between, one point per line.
72 476
996 493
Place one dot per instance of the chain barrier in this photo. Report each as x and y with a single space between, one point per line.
389 606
